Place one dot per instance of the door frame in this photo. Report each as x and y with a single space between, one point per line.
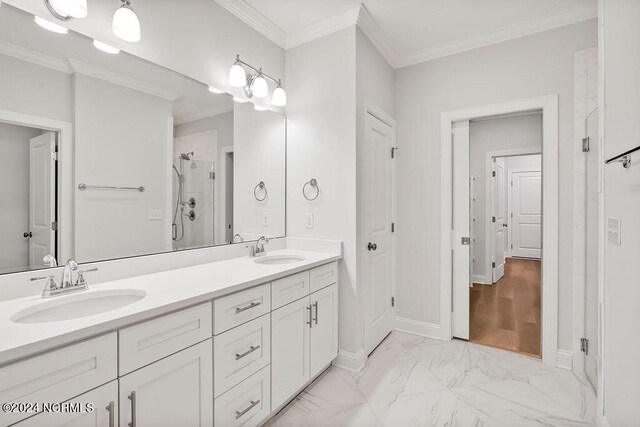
549 286
510 202
489 243
222 193
65 213
380 114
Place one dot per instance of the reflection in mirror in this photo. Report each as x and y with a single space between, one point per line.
147 161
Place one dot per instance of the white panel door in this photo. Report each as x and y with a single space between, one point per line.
289 350
174 391
42 193
324 328
377 183
461 231
526 207
498 220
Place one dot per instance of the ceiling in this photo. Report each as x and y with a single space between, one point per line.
411 31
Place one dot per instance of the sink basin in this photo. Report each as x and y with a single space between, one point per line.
279 259
79 305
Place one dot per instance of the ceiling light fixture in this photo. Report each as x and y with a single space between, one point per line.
105 47
67 9
126 24
51 26
256 84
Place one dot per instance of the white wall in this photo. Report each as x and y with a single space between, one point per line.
622 199
14 196
321 144
506 133
536 65
114 224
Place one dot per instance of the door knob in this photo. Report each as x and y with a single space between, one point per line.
27 234
372 246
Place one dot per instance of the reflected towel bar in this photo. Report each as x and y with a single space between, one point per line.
623 158
83 187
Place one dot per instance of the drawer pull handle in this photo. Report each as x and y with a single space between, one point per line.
250 306
132 398
310 321
253 405
315 304
248 352
112 414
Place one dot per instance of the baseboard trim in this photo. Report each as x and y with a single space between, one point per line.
481 279
424 329
565 359
353 362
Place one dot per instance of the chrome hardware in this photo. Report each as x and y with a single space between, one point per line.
191 215
81 281
585 144
27 234
241 413
313 183
258 248
192 202
310 317
250 306
237 238
68 285
112 415
50 288
262 186
372 246
465 241
50 260
83 187
248 352
132 398
624 158
315 319
67 274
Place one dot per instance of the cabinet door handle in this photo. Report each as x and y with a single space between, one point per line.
248 352
132 398
310 322
315 304
250 306
244 411
112 414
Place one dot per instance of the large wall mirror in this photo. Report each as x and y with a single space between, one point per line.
148 160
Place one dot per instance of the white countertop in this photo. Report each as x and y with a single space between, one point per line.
165 292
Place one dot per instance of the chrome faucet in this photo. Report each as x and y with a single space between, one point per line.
67 274
51 288
258 248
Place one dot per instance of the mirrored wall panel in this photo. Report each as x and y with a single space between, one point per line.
104 155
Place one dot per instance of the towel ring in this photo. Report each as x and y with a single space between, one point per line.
313 183
262 186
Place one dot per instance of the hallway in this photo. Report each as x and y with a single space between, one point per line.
507 314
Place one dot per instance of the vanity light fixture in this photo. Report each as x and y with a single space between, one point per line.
256 84
67 9
215 90
51 26
105 47
126 24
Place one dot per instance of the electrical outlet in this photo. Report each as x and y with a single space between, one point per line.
265 219
155 215
613 230
309 219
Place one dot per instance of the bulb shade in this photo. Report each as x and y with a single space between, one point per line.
105 47
279 97
74 8
126 24
51 26
237 76
259 87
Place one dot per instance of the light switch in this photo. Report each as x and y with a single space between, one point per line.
265 219
155 215
613 230
308 219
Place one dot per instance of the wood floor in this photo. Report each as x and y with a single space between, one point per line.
507 314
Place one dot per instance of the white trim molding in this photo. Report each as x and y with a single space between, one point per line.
256 20
331 25
353 362
180 120
565 359
549 106
37 58
416 327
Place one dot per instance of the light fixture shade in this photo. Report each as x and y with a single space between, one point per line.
237 76
74 8
126 24
51 26
279 97
259 87
105 47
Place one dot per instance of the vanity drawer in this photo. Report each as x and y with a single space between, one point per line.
247 404
289 289
240 352
323 276
239 308
147 342
58 375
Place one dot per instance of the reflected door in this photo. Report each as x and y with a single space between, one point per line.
42 187
498 220
526 205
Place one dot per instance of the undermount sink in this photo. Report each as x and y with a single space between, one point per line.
279 259
78 305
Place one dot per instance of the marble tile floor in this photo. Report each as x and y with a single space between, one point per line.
414 381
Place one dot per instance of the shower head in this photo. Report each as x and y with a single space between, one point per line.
186 156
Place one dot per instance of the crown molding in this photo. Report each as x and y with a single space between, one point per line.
246 13
370 28
203 115
346 19
34 57
121 80
499 35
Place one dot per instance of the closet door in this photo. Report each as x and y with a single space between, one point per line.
324 328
